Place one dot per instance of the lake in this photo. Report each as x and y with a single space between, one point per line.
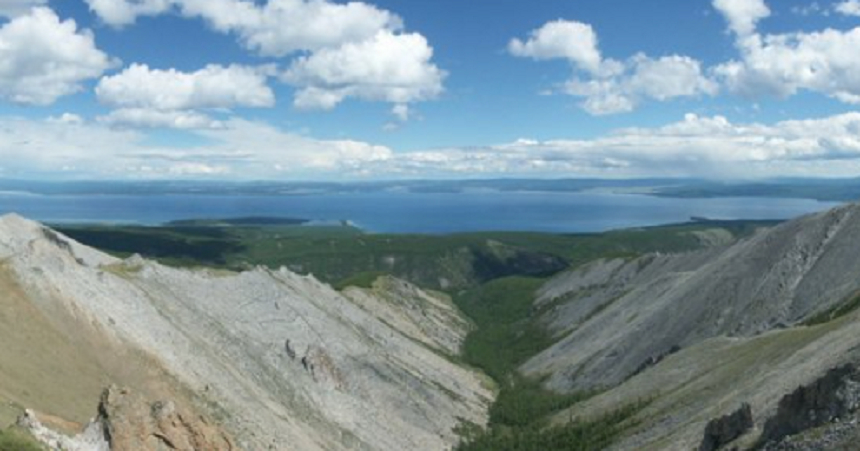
404 212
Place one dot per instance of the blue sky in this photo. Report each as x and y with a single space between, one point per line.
318 89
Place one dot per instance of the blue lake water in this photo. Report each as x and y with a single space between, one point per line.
403 212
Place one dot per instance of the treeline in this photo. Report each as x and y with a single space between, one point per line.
538 436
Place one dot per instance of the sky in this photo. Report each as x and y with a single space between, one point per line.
389 89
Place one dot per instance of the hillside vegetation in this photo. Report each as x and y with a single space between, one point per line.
336 253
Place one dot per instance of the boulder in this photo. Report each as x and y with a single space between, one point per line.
723 430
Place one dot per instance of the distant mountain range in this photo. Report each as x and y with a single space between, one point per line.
819 189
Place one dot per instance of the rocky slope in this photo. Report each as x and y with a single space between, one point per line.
700 334
281 361
617 316
428 317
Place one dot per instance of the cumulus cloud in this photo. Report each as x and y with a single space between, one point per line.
15 8
573 41
389 67
276 28
170 98
43 58
639 78
214 86
783 64
742 15
282 27
849 8
124 12
350 50
609 86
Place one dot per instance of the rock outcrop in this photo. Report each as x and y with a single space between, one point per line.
842 435
835 395
131 423
126 421
723 430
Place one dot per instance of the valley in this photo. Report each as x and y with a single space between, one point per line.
282 333
492 278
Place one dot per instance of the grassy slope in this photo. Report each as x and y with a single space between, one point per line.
15 440
39 367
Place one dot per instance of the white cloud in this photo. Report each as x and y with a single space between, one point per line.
15 8
783 64
271 151
351 50
67 118
124 12
695 146
43 58
169 98
211 87
276 28
742 15
153 118
668 77
611 86
561 39
769 64
639 78
810 9
401 112
389 67
37 147
849 8
239 149
282 27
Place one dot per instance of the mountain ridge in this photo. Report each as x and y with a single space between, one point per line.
279 358
700 333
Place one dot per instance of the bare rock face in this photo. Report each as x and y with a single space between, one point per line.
131 423
831 397
723 430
